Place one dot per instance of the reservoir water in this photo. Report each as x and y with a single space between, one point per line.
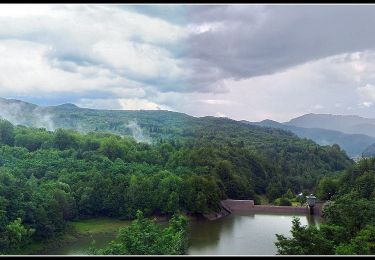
242 234
236 234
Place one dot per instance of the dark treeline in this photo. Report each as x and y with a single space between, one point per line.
49 178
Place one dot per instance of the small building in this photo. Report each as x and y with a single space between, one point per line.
310 200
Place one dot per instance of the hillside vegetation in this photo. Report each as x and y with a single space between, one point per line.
50 177
353 144
349 227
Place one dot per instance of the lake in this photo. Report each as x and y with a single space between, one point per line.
242 234
236 234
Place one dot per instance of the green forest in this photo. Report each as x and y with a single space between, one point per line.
349 227
48 178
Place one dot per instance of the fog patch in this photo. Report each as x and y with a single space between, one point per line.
324 142
137 132
26 114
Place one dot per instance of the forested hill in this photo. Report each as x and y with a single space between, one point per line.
175 163
122 122
353 144
259 154
152 125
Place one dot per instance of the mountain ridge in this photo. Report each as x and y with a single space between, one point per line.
349 124
68 115
353 143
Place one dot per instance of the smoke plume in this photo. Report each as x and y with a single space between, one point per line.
138 133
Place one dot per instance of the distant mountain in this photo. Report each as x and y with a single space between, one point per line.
23 113
68 106
353 144
156 123
349 124
121 122
369 151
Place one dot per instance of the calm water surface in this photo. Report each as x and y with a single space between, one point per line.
242 234
236 234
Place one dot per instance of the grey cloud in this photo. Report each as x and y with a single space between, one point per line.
263 40
251 40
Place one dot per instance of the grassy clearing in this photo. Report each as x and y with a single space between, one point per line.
98 225
74 231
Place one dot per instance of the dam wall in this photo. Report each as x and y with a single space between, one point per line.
228 206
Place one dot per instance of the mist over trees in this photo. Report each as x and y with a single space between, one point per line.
49 178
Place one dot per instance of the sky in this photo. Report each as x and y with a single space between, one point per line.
246 62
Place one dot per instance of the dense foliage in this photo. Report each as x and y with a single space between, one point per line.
349 227
48 178
146 237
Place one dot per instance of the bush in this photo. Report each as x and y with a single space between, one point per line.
282 202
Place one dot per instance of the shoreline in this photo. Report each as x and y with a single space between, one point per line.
84 228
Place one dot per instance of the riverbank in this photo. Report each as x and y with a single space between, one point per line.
74 232
204 234
102 230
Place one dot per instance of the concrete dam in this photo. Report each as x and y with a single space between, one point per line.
228 206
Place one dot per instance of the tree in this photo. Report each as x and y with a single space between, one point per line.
274 190
6 133
16 235
64 139
326 188
282 202
145 237
289 194
305 241
112 148
362 244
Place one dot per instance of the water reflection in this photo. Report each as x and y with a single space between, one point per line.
204 233
81 246
236 234
241 234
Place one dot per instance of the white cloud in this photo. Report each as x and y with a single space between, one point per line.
367 92
325 85
142 60
317 107
136 104
26 70
365 105
205 27
218 114
23 10
62 48
122 104
216 101
120 59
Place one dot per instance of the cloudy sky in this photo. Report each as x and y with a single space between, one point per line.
241 61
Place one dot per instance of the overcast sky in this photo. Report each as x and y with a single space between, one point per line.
247 62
